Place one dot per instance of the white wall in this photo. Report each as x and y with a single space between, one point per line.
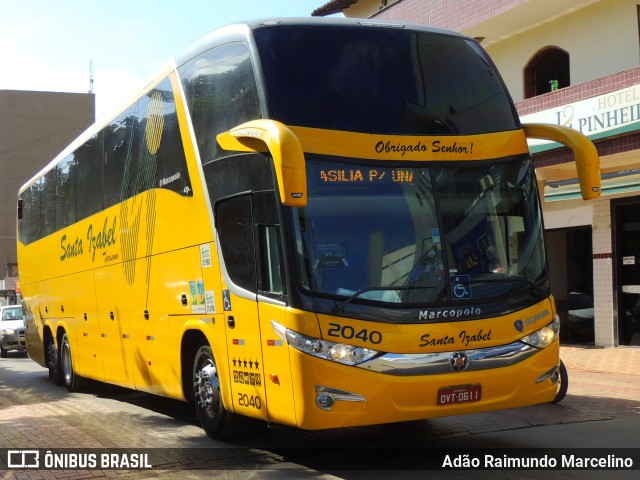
601 39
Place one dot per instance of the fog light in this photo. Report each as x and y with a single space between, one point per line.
549 375
326 397
325 402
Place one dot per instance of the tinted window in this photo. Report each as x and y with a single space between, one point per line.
271 280
162 162
221 92
121 155
140 150
241 221
30 224
89 160
240 173
438 234
48 203
235 228
66 191
267 232
379 80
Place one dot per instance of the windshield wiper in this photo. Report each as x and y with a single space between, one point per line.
503 278
340 306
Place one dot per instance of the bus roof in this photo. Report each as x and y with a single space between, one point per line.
242 30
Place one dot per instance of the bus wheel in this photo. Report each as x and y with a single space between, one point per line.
53 362
72 380
216 421
563 384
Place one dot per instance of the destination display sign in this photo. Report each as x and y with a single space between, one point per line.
364 175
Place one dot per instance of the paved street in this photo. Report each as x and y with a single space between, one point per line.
602 409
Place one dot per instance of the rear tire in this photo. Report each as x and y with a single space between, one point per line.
53 362
563 384
3 352
217 421
72 380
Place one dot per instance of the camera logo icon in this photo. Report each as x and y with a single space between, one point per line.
23 458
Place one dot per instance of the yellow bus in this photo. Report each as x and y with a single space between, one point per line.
319 223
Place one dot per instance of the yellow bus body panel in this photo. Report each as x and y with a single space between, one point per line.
447 335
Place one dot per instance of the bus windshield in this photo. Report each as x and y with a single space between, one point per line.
420 235
381 80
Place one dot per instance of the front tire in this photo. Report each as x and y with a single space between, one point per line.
217 421
563 384
72 380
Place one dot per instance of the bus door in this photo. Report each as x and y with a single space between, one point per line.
235 227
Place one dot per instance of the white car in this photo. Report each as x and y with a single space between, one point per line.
11 329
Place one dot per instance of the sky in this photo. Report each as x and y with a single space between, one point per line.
49 45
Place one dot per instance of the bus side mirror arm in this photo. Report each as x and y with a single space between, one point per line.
285 149
584 151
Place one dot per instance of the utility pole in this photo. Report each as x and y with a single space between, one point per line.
91 76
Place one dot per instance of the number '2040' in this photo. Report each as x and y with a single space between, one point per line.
348 332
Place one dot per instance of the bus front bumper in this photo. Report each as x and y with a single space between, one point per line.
331 395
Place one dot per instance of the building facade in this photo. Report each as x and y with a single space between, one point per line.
574 63
34 128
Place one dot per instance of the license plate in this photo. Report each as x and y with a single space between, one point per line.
459 394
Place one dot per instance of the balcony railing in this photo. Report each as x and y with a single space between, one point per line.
574 93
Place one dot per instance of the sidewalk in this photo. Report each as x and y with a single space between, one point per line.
603 372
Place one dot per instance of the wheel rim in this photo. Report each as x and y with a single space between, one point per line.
207 388
65 360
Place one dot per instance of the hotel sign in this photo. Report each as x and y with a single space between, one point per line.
602 116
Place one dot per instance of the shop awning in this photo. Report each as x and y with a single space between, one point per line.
614 182
620 173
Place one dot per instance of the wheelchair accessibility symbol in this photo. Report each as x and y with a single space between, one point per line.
461 287
226 300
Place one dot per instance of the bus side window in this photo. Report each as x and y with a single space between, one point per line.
121 155
267 230
66 186
235 231
89 177
48 203
29 226
221 92
248 226
270 281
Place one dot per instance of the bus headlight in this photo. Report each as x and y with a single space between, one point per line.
336 352
545 336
